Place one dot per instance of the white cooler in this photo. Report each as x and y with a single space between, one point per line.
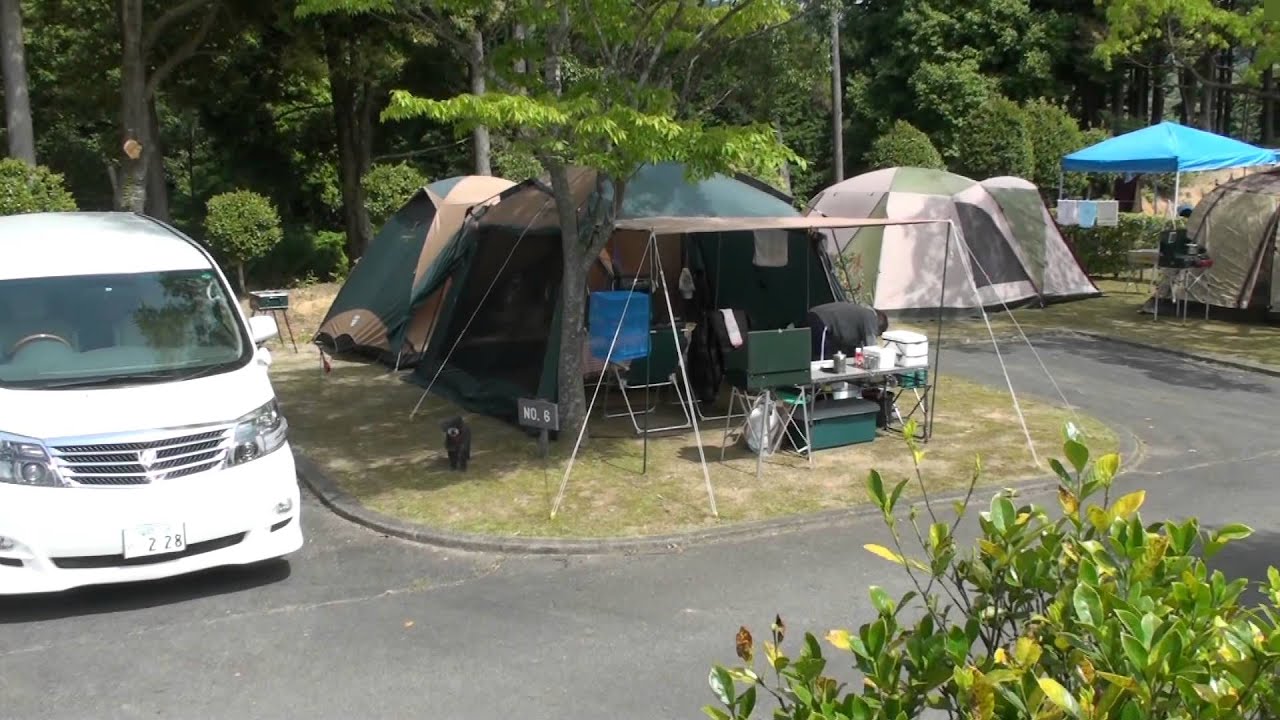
912 348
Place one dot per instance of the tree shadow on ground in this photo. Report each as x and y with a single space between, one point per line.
1249 558
105 599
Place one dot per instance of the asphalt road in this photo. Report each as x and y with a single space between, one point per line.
359 625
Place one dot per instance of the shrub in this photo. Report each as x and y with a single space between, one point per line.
1083 612
28 189
994 141
1053 133
1103 250
242 226
329 255
903 145
387 188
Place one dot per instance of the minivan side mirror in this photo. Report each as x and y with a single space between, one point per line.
263 328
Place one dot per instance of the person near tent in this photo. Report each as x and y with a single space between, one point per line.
844 326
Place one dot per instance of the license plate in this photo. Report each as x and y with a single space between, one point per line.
154 539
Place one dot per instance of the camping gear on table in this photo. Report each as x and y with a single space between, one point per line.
911 348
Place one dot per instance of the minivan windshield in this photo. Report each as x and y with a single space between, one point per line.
101 330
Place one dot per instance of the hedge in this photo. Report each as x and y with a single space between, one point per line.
1103 250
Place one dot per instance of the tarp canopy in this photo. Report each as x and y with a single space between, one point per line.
1167 147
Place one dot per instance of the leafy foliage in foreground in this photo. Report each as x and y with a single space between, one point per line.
1086 612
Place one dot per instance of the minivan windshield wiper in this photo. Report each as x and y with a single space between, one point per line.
111 381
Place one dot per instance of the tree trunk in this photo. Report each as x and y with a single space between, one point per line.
135 118
17 104
785 170
480 146
573 290
1227 99
157 185
244 289
1268 109
1157 96
1186 91
1208 106
351 115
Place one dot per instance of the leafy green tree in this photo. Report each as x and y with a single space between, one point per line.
614 88
31 188
1054 134
1080 611
903 145
996 142
242 226
388 187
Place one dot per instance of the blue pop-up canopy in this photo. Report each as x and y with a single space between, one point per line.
1167 147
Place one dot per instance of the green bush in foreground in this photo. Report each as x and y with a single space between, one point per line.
32 188
1086 613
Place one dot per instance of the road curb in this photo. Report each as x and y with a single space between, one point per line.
1259 368
348 507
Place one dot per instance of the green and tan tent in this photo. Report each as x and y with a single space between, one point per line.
383 312
1007 250
498 328
1237 223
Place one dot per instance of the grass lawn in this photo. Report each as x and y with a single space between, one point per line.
354 424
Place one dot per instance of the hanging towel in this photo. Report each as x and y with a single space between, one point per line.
1088 210
1068 213
1108 213
771 248
731 327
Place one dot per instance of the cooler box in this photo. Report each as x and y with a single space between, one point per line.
836 423
912 348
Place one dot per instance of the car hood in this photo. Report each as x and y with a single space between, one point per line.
54 414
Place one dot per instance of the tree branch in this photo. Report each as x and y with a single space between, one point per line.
1179 63
609 52
660 45
183 53
174 14
443 29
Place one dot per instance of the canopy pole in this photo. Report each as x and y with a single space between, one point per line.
1062 180
1177 190
684 375
932 392
586 417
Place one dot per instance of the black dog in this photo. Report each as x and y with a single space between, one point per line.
457 442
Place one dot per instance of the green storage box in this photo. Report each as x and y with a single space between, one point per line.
836 423
914 379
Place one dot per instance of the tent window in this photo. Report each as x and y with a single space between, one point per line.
994 261
507 339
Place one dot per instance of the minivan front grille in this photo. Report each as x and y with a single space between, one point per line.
140 463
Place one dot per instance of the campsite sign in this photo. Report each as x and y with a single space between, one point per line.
539 414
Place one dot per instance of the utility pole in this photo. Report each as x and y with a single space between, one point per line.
837 95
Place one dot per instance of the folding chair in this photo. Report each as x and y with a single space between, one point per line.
655 371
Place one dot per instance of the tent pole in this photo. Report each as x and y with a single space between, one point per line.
684 374
1062 177
932 392
582 431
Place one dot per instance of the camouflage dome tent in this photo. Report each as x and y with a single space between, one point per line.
1237 223
1016 254
382 311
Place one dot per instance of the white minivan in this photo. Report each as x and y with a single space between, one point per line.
140 436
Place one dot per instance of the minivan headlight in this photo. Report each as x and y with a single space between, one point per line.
25 461
259 433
